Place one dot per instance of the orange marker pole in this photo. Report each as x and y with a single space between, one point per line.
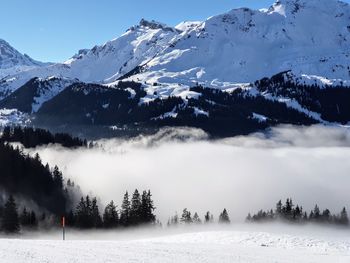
63 227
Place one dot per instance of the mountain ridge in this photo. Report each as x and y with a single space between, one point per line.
295 53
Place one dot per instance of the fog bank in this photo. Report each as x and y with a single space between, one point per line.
242 174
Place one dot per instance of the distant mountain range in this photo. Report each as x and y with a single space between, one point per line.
231 74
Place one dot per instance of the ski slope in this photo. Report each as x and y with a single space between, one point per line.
208 246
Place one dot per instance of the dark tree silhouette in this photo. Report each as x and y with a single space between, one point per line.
110 216
10 218
125 211
136 208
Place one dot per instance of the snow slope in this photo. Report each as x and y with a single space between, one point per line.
309 37
213 246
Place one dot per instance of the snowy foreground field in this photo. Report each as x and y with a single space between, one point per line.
229 245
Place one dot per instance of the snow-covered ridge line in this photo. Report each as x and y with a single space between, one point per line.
311 38
322 82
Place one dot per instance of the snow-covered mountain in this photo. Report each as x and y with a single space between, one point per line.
12 61
309 37
273 57
30 97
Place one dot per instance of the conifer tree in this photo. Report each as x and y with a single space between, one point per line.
125 211
24 217
83 213
316 213
305 216
70 219
136 208
279 208
196 218
186 217
207 217
10 219
110 216
57 177
224 218
33 219
147 208
95 214
343 219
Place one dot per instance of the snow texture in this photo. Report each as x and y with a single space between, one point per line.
213 246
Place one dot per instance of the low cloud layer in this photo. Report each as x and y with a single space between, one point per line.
242 174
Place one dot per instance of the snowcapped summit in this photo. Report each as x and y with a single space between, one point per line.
10 57
117 57
13 62
310 37
154 25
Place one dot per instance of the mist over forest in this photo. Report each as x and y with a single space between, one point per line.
242 174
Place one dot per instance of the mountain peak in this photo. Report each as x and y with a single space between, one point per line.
10 57
155 25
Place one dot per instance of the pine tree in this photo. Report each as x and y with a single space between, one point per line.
208 217
95 214
24 218
297 213
316 213
224 218
147 208
70 219
279 208
305 218
110 216
33 219
136 208
343 219
83 213
125 211
57 177
287 210
186 217
196 219
10 219
326 215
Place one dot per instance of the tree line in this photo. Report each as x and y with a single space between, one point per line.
30 137
296 214
187 218
26 176
12 220
134 211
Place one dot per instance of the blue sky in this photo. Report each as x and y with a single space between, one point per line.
53 30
